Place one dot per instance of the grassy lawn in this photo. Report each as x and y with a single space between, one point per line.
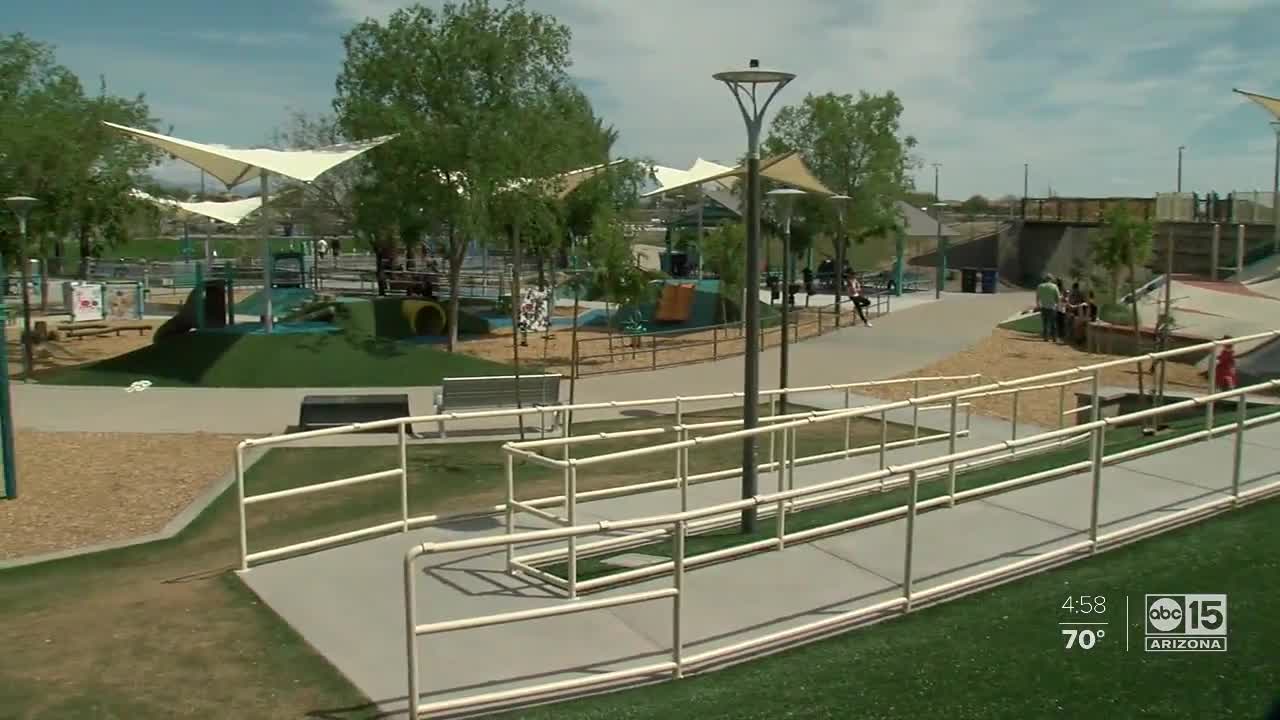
164 630
253 361
1118 440
999 654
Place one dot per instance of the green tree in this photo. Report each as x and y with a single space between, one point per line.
855 146
1125 242
724 253
976 205
475 93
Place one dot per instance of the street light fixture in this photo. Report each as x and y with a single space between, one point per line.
941 251
746 86
842 207
21 206
785 198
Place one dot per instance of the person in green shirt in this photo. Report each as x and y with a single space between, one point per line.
1047 298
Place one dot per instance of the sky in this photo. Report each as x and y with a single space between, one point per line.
1096 97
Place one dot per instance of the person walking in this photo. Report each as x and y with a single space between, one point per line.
857 296
1047 297
1225 369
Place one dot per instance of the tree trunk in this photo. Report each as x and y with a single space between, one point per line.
457 253
573 353
380 262
86 251
515 318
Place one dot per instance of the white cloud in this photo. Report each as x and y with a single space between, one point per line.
1095 96
252 38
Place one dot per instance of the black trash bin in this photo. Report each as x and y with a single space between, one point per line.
990 281
968 280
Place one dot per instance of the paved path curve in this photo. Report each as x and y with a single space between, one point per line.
906 339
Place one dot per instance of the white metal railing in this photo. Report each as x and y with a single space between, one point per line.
678 404
570 467
676 525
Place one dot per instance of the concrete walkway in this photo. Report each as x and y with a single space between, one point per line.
347 601
906 339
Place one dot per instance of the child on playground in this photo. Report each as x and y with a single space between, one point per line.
1225 370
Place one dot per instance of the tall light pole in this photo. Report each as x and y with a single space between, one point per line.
745 85
942 252
21 206
1275 194
842 247
1180 149
1026 176
786 204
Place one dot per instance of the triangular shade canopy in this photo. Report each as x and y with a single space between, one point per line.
237 165
230 212
568 181
1272 105
788 169
670 179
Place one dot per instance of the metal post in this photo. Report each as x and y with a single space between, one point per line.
1213 387
404 478
792 444
1242 411
244 531
679 424
848 423
6 408
1214 244
915 412
677 600
784 340
1275 195
773 412
264 213
951 450
411 633
914 482
1062 406
198 291
884 439
1099 442
682 460
780 526
573 539
1016 394
1240 248
782 461
751 316
511 510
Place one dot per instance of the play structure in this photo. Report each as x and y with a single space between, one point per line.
89 301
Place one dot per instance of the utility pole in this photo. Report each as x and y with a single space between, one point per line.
1180 149
1275 195
1026 175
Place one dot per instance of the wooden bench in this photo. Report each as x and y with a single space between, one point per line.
497 391
99 330
324 411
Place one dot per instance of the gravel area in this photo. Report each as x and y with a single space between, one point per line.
74 351
79 489
1007 355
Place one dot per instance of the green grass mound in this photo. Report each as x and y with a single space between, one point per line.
259 361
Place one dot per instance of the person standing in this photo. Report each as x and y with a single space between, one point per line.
1047 297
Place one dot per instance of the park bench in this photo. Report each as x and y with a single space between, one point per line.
95 330
497 391
325 411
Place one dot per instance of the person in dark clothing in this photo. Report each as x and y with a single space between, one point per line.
809 289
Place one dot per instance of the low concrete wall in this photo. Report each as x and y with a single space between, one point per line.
1101 337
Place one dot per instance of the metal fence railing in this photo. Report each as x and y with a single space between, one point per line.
676 526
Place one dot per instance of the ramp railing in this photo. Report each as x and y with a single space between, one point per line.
911 597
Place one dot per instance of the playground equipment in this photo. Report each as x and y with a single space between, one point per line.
675 305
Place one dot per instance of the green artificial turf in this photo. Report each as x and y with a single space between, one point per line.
1000 654
1118 440
261 361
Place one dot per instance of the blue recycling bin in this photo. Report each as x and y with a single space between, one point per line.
990 280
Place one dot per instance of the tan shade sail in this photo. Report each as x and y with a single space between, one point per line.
1272 105
237 165
230 212
788 169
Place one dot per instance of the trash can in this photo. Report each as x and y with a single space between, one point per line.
968 280
990 280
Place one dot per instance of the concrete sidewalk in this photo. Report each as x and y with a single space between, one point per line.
347 602
900 342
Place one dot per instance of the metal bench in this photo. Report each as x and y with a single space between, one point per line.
322 411
497 391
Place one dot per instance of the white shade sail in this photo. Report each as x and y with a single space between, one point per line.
1272 105
671 179
788 169
230 212
237 165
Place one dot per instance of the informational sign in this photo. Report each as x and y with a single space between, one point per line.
122 301
86 302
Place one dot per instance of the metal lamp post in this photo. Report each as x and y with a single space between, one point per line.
1180 149
942 251
21 206
1275 194
841 202
746 87
786 204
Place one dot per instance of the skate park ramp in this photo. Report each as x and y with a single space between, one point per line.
1210 310
283 301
